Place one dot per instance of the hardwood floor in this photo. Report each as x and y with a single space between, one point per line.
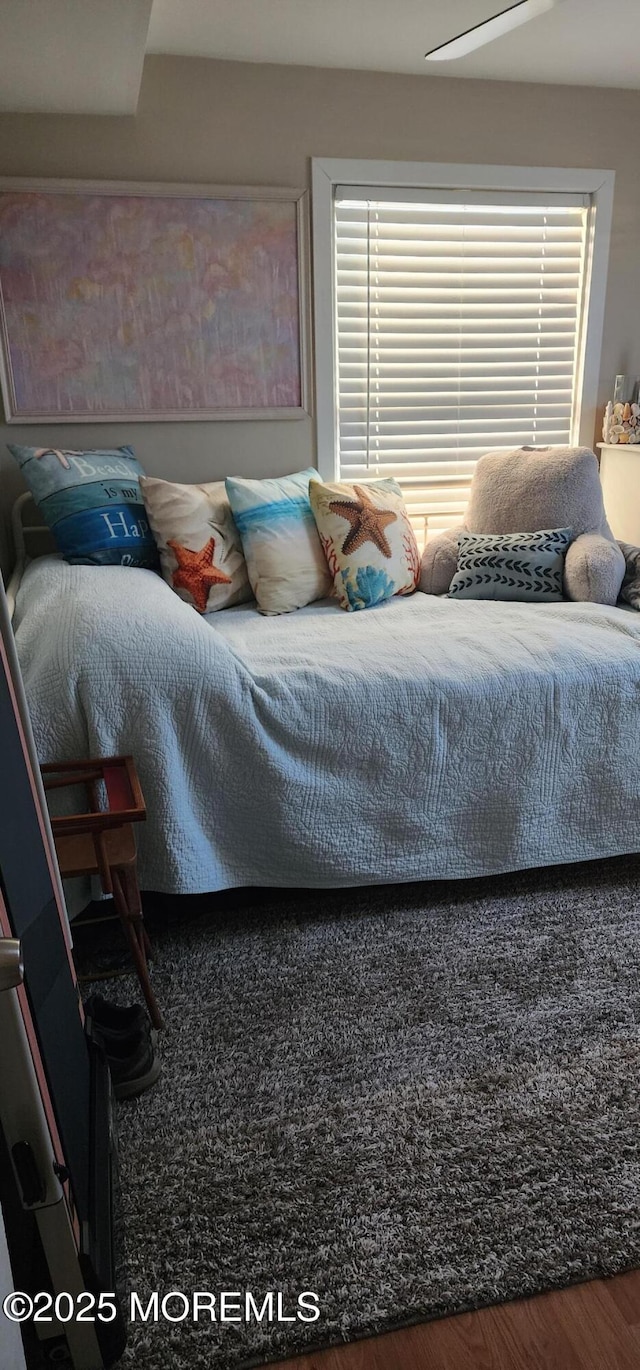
592 1326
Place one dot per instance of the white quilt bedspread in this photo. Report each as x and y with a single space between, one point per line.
424 738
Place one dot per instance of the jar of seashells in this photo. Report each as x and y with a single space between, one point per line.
621 423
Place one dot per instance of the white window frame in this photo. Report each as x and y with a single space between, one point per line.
327 173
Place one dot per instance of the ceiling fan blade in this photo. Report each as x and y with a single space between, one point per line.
489 29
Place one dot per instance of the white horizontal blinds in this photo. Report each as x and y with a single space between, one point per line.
458 332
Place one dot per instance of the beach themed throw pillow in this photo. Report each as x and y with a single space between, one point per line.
285 561
92 503
200 551
368 541
520 566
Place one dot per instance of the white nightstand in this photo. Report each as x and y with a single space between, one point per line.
620 478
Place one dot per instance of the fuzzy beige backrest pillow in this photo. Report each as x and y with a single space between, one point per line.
529 489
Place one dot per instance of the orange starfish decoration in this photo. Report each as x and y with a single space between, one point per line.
58 452
368 522
196 572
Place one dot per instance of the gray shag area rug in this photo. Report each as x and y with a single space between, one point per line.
409 1100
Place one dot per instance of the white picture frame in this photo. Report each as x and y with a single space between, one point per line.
18 391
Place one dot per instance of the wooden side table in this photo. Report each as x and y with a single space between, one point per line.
101 841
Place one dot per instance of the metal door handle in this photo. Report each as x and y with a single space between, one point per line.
11 963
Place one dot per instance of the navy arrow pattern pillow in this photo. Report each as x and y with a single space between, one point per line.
523 566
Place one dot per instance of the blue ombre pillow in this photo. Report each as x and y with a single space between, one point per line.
92 503
285 561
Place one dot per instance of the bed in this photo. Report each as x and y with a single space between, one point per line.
425 738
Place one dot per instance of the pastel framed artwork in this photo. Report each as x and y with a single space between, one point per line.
128 301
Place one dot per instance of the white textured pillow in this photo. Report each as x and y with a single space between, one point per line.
285 561
200 552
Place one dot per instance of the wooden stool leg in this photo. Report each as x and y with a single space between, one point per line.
126 897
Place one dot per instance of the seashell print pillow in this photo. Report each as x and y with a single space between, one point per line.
368 541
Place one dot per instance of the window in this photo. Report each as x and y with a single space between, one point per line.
459 323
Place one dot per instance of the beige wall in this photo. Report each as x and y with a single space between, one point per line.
228 122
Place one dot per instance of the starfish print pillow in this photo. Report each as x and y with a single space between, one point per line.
368 541
200 553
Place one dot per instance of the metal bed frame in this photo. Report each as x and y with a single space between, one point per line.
25 535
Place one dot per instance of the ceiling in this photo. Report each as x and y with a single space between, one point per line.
87 56
581 42
72 56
